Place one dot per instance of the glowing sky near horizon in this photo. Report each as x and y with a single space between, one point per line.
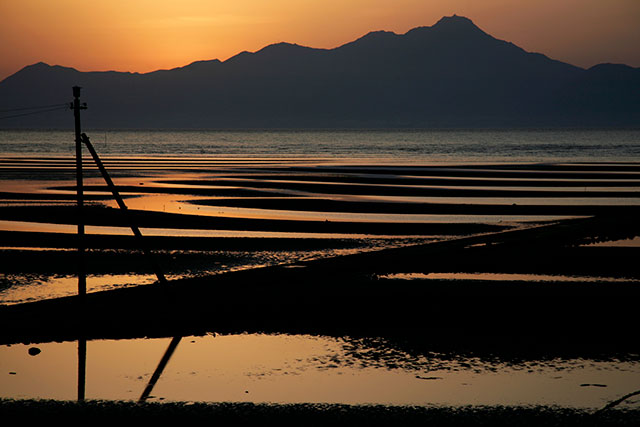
146 35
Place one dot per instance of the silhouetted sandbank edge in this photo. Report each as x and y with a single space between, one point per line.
343 294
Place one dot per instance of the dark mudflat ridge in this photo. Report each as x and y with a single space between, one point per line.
323 205
399 182
26 239
100 216
284 188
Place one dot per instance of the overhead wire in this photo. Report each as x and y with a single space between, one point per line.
39 107
66 106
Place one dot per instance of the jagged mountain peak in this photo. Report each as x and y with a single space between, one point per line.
455 20
284 47
459 26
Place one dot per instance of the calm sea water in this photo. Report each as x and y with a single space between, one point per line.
442 146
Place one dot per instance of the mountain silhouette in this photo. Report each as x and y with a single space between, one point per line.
451 74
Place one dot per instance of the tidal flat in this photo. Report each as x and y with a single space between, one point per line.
370 285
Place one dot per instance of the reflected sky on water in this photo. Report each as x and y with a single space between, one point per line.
304 368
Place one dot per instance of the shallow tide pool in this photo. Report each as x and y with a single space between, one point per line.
305 368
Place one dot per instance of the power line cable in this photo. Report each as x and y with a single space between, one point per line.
35 112
39 107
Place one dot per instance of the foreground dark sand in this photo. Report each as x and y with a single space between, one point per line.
308 414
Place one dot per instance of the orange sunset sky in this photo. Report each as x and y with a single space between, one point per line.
146 35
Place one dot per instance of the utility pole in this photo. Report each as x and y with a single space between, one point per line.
82 281
82 278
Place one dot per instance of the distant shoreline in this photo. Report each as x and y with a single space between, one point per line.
558 128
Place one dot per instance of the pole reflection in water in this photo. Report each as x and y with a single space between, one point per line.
82 367
161 365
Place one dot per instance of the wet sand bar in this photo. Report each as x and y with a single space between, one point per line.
346 295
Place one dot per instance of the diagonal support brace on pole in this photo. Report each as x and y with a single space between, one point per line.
123 207
156 268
